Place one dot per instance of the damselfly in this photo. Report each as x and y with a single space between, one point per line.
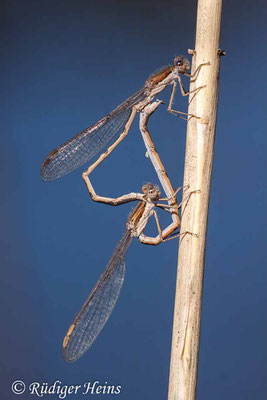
100 303
84 146
80 149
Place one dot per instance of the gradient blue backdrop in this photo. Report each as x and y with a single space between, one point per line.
65 64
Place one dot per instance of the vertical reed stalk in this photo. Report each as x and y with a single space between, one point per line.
197 174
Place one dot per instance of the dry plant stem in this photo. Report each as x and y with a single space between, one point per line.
197 174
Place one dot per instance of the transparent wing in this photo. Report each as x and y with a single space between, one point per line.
99 305
84 146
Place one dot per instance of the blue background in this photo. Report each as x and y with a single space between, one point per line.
64 65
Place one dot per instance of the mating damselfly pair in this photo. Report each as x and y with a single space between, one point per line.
82 148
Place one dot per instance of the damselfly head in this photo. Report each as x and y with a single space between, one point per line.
151 191
181 64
